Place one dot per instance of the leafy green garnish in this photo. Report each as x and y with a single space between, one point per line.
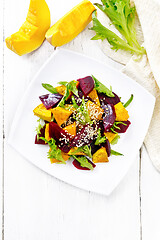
85 149
102 88
54 152
114 127
49 87
129 101
82 115
122 16
84 162
71 86
115 140
116 153
100 139
63 83
41 124
74 103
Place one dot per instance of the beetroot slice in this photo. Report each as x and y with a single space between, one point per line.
62 137
83 137
40 141
123 128
50 100
94 148
78 166
108 100
109 116
86 84
108 147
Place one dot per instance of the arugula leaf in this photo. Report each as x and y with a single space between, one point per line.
115 41
84 162
100 139
40 126
116 153
70 86
54 151
129 101
85 149
63 83
102 88
49 87
115 140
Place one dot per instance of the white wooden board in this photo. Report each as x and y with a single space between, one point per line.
150 194
38 206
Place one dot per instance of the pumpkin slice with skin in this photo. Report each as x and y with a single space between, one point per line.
32 32
61 115
71 24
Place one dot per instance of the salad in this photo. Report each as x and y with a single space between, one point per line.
80 120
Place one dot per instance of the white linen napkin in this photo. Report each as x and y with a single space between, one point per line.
146 71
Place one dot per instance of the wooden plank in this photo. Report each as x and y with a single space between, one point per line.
38 206
150 198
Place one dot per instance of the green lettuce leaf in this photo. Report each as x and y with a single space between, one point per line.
101 88
85 149
49 87
84 162
70 86
115 41
54 152
41 124
116 153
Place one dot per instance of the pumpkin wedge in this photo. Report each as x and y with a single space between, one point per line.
71 24
32 32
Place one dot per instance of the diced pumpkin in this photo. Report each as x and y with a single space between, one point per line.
64 156
121 112
110 136
94 96
61 115
100 156
71 129
47 137
61 89
95 112
41 112
73 150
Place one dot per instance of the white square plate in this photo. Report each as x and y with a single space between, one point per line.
65 65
